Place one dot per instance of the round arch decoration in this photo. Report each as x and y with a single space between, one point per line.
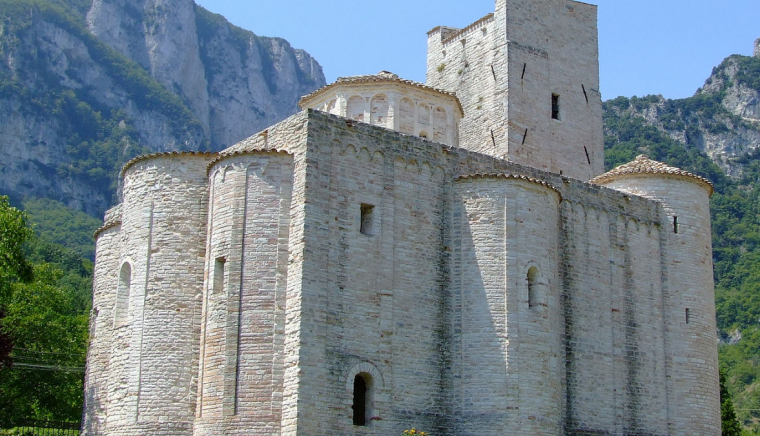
364 368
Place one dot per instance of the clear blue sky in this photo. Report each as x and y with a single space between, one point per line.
666 47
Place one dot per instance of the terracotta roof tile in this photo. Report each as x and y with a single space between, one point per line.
164 154
644 165
509 176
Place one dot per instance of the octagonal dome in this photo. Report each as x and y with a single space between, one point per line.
388 101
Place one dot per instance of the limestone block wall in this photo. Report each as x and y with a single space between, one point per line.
504 277
154 348
556 44
105 279
458 293
612 270
689 306
507 68
371 303
464 61
242 361
616 378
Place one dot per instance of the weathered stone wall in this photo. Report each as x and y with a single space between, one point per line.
370 294
505 280
602 333
105 277
473 295
505 69
757 48
689 303
154 348
461 61
614 321
241 372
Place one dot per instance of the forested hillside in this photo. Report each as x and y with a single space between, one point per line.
720 119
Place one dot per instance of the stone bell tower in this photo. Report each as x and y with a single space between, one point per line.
528 79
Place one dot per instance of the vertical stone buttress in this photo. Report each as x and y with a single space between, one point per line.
506 68
105 278
154 348
689 299
242 358
510 355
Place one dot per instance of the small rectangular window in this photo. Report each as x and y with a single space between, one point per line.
218 285
367 219
555 107
688 316
675 224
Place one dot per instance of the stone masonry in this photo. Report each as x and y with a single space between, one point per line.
402 255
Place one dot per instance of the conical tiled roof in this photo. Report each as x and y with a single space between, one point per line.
644 165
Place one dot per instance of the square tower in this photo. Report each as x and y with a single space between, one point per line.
528 79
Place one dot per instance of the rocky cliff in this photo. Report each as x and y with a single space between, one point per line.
235 82
722 119
84 86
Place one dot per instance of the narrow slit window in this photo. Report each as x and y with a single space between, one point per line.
555 107
361 398
219 264
367 219
532 287
688 316
675 224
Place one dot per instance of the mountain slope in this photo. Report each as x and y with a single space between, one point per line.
234 81
722 119
75 108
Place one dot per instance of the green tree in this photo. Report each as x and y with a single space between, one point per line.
729 421
13 265
49 347
43 325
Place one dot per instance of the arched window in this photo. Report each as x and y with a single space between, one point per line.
423 114
406 116
355 109
362 398
440 125
121 309
379 109
533 287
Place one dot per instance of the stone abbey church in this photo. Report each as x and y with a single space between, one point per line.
448 256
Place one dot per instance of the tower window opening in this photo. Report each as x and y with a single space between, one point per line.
675 224
362 398
532 287
555 107
688 316
367 219
121 311
218 285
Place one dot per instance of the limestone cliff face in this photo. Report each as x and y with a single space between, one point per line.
235 82
80 94
722 118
